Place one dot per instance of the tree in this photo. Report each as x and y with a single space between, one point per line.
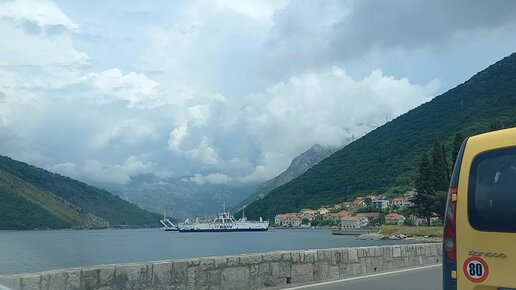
457 142
440 171
425 197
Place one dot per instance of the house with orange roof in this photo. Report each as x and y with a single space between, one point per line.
350 222
394 219
292 219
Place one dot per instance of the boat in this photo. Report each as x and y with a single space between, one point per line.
224 222
168 226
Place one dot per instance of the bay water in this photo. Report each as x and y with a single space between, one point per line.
34 251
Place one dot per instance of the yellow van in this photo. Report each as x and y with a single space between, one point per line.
479 246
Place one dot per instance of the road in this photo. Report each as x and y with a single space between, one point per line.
424 278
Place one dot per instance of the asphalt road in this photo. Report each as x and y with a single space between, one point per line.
424 278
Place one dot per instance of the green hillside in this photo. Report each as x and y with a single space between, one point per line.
386 158
31 198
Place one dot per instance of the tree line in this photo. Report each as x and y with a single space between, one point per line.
433 179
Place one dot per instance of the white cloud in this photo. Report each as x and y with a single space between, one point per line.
42 12
214 178
328 108
136 88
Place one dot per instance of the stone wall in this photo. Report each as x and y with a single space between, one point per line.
250 271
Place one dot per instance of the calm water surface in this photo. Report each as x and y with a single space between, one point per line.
45 250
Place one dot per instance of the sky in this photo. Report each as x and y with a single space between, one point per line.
224 91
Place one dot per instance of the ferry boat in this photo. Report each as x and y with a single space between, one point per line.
224 222
167 224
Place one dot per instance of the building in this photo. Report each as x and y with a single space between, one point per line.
394 219
332 216
401 202
323 211
350 222
308 213
364 220
288 220
382 204
359 202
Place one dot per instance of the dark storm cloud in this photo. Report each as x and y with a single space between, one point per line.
315 33
408 25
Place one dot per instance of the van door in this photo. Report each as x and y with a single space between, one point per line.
486 213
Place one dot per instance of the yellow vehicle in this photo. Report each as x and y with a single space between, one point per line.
479 248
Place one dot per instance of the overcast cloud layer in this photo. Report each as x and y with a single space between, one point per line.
224 91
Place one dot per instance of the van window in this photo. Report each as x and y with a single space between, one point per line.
492 191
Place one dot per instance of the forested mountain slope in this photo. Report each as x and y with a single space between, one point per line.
31 198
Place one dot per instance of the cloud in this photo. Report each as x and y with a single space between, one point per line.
43 13
372 33
135 88
214 178
327 108
224 91
99 172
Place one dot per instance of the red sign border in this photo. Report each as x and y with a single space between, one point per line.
483 262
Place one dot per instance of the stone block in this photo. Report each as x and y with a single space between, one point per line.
73 279
250 259
310 256
193 262
302 273
210 277
206 264
396 252
106 276
179 274
235 278
296 257
272 257
334 272
161 274
264 269
193 276
131 276
253 270
336 258
219 262
31 282
275 269
360 252
353 255
89 278
285 269
286 256
233 261
11 281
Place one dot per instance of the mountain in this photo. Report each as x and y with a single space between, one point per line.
33 198
385 159
182 197
298 166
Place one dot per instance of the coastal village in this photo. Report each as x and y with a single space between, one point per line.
362 212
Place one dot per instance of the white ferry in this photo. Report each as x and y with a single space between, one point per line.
224 222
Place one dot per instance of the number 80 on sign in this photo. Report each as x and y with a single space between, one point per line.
476 269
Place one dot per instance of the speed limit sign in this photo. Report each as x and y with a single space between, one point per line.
476 269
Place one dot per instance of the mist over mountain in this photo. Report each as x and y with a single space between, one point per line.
182 197
298 166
